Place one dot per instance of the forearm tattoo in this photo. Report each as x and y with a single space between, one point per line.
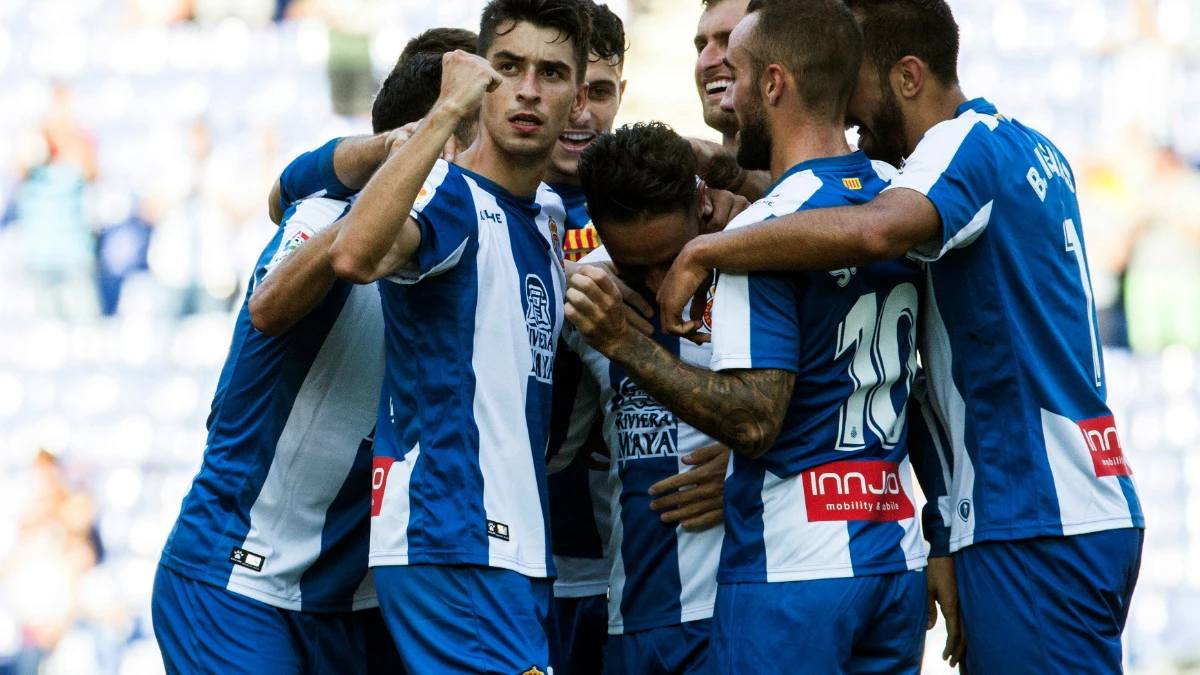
742 409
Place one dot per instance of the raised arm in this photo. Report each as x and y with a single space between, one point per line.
885 228
743 409
289 292
379 236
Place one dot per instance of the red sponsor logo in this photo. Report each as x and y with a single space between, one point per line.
380 468
1108 459
862 490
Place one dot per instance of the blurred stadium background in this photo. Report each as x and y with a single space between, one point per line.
138 139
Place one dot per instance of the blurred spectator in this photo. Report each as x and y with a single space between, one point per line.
58 248
1163 282
54 548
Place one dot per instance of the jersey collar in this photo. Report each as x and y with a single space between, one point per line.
851 162
979 105
527 203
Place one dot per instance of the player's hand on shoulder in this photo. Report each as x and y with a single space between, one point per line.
396 138
720 208
465 80
680 285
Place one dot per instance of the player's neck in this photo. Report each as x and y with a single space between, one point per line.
729 141
519 175
801 142
942 104
556 177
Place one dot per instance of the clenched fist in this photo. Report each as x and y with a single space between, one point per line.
465 79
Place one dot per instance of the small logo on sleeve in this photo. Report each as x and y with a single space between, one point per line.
964 510
291 245
497 530
856 490
241 556
852 183
1108 459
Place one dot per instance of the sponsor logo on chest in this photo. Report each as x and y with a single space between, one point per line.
540 328
645 429
856 490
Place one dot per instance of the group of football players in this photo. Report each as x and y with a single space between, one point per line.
512 392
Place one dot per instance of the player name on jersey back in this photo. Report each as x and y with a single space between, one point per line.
833 497
1023 442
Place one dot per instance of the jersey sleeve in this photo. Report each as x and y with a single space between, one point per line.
954 166
302 222
445 213
755 322
931 472
312 175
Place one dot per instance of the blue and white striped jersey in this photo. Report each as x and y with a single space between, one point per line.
662 574
1025 442
833 496
581 514
580 508
464 418
280 510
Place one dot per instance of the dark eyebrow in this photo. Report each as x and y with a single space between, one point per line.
508 56
556 65
602 81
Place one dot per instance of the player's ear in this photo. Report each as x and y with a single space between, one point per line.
908 77
704 205
621 89
581 96
774 80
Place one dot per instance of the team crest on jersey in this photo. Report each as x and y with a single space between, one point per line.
645 429
706 318
557 243
541 328
291 245
533 670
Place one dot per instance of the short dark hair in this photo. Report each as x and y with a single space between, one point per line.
818 41
439 41
925 29
408 93
608 34
639 169
569 17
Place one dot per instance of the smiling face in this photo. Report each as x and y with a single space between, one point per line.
744 100
538 91
604 91
875 110
712 77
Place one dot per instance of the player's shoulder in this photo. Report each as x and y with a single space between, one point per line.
967 136
551 203
444 183
789 195
884 171
314 214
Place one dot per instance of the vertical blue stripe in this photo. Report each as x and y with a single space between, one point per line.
346 537
425 323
